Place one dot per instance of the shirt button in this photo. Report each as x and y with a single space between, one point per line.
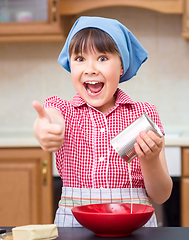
101 159
102 130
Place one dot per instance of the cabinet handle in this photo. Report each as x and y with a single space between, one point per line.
44 172
54 11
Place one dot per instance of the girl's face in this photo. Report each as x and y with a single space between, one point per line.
95 76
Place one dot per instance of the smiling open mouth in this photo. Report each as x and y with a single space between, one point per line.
94 87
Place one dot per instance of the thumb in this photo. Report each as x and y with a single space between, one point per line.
40 110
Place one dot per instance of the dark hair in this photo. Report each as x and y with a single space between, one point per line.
93 39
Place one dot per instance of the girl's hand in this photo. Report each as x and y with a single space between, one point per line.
150 149
48 128
148 146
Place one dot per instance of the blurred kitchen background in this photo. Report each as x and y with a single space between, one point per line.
32 34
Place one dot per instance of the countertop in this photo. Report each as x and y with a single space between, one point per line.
173 142
140 234
144 233
27 139
181 140
18 139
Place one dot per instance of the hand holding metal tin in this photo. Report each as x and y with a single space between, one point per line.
148 145
124 141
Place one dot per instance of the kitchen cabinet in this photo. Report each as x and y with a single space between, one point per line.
185 188
73 7
30 21
185 32
26 187
78 6
60 15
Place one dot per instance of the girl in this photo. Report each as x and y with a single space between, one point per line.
100 53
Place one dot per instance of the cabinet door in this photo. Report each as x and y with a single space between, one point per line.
185 202
185 162
30 20
26 187
185 188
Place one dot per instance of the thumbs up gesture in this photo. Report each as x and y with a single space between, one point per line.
49 128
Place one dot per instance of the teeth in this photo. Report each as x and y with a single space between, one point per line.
91 82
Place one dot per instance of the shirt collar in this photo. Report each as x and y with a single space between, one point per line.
77 101
121 98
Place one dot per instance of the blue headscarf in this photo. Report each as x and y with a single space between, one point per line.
132 52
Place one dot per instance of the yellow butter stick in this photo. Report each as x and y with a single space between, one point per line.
35 232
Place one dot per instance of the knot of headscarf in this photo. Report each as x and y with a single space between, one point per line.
132 52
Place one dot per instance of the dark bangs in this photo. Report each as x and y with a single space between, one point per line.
92 39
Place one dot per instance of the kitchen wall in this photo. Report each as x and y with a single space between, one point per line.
30 71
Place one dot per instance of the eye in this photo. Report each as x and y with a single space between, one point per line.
79 59
102 58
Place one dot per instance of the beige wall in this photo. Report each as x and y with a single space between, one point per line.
30 71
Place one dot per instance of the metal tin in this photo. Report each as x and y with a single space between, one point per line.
124 141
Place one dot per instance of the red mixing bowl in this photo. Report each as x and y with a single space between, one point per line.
112 219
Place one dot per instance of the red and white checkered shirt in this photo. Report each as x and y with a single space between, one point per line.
86 158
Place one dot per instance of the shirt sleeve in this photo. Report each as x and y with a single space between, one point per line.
153 113
57 103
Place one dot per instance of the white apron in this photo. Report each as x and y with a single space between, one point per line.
72 197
